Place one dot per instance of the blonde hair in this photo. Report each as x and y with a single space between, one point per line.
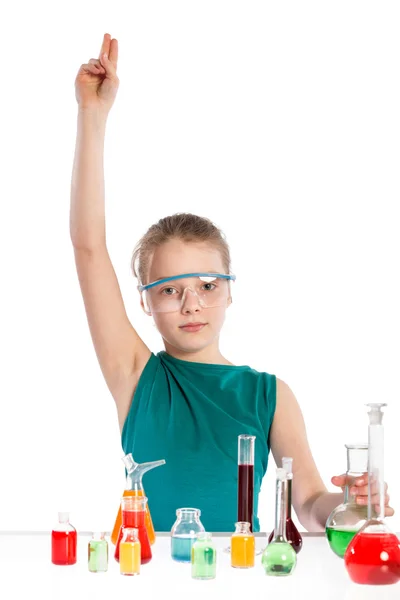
183 226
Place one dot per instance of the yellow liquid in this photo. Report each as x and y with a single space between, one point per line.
243 550
129 558
148 522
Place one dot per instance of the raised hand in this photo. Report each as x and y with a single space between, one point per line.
96 84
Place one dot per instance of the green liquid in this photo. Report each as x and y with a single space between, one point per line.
204 557
339 539
279 558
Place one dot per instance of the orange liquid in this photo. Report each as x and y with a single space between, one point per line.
148 522
243 551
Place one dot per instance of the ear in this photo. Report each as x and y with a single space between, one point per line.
229 301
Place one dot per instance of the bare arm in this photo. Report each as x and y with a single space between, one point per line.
311 500
120 351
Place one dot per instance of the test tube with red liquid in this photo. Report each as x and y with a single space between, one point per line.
246 478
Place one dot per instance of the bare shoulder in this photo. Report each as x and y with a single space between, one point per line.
125 386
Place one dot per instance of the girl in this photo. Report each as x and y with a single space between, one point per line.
186 404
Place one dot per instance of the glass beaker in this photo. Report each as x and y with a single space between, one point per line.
134 487
204 557
348 518
279 557
133 516
243 547
129 554
292 534
184 532
63 541
373 555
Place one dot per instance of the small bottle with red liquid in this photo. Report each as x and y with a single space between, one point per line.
373 555
134 516
292 534
63 541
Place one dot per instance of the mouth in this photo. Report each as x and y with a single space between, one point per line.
192 327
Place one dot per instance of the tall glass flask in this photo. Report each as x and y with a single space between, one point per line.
373 555
348 518
246 478
279 557
292 534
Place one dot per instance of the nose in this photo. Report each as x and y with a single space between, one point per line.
190 302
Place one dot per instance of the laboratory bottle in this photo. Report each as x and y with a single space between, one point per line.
134 487
279 557
98 553
347 518
184 532
373 555
292 534
129 552
204 557
133 516
243 548
63 541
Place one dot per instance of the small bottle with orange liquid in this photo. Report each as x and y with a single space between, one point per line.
134 487
129 552
243 549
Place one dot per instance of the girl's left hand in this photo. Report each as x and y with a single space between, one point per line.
359 487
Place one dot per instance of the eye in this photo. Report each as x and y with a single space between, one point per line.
169 291
208 287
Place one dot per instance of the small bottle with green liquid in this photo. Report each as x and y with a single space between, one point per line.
346 519
204 557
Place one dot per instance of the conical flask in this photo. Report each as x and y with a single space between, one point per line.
373 555
292 534
347 519
134 487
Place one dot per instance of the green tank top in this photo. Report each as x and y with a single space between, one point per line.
191 414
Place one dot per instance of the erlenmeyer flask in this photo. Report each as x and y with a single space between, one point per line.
373 555
348 518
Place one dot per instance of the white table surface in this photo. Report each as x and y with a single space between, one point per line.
26 571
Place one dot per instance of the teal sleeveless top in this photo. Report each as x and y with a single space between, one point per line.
191 414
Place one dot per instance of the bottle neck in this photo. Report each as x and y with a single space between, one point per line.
357 465
280 511
375 471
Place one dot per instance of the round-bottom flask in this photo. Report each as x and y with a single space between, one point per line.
347 519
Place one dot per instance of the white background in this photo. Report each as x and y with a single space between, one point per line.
280 122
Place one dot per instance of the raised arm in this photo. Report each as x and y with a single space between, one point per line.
121 353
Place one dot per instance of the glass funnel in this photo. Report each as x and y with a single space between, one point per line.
347 519
279 557
373 555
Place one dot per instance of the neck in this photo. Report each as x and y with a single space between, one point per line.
210 354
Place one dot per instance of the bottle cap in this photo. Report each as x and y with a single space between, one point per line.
63 517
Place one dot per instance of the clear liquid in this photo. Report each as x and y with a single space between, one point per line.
181 547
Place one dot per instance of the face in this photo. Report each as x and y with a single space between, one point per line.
176 257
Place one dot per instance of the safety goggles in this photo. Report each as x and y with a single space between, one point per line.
170 294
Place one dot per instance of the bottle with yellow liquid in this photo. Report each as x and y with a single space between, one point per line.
243 548
134 487
129 552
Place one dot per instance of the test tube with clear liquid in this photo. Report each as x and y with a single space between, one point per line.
245 498
373 555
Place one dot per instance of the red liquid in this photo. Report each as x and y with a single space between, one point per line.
135 518
373 558
63 547
245 493
292 535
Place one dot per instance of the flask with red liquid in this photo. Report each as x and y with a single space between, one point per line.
134 516
292 534
373 555
63 541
